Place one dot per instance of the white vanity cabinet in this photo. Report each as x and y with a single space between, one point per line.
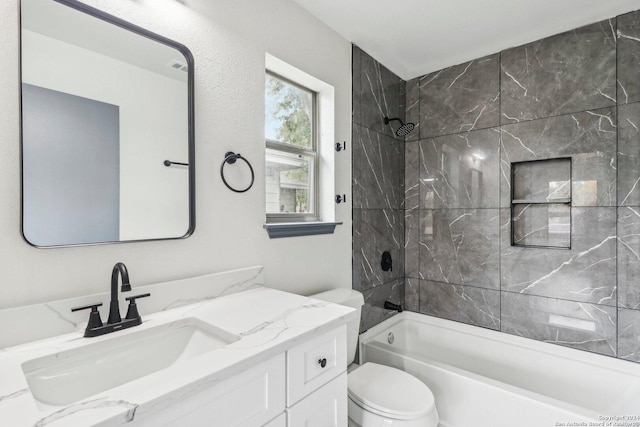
281 421
325 407
250 398
305 386
317 381
259 357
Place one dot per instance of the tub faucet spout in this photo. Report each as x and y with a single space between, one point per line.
391 306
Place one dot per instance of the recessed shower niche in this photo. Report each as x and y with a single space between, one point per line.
541 203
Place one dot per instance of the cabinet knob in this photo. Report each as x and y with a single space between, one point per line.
323 362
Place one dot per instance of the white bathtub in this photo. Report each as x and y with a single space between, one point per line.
484 378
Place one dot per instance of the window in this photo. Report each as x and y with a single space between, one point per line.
300 157
541 203
291 151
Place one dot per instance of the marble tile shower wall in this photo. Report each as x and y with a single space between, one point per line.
574 95
378 186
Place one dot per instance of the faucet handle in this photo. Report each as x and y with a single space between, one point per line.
93 307
386 263
95 321
133 298
132 311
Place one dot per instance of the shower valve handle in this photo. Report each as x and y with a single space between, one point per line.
386 263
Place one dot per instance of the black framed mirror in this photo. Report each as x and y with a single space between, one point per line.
107 129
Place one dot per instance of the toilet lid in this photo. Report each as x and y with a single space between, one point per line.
389 391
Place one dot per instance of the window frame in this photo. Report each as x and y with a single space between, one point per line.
312 152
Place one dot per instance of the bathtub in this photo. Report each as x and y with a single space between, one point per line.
484 378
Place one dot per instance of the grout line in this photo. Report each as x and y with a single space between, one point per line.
500 193
617 305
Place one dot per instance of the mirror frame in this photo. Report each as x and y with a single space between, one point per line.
99 14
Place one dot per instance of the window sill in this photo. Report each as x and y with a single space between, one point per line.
295 229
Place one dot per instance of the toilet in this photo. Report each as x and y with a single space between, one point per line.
379 395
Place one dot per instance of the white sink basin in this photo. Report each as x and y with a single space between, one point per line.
71 375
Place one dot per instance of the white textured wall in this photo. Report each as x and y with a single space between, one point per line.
228 40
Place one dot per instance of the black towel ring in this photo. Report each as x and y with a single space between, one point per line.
231 157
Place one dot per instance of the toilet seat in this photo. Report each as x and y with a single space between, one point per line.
389 392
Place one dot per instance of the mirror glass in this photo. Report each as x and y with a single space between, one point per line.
105 106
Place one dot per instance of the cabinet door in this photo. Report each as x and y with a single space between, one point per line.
281 421
326 407
316 362
248 399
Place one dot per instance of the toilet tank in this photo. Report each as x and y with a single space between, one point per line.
349 298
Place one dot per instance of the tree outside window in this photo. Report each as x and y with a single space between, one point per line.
291 152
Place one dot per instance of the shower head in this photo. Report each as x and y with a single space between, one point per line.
404 129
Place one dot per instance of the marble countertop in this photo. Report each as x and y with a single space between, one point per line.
267 321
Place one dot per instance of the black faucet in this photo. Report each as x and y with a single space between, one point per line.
95 327
114 305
